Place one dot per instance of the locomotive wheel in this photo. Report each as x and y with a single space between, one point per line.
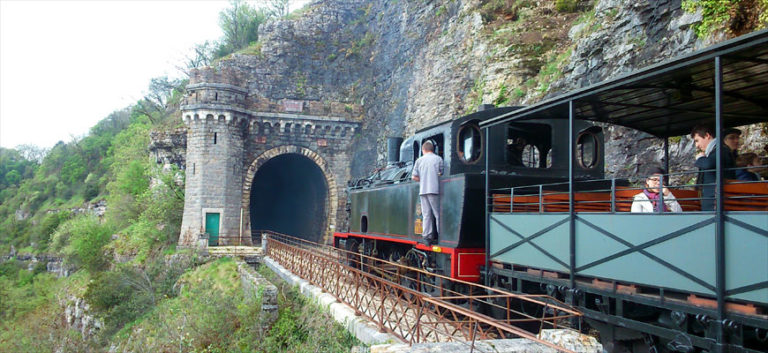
353 246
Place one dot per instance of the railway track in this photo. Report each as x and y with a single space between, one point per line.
415 305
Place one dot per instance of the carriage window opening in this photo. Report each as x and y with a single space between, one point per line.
549 159
416 150
586 150
531 156
437 141
215 135
469 143
529 145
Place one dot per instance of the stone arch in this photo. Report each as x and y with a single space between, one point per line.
325 167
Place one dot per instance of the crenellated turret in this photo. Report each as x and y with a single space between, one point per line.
217 121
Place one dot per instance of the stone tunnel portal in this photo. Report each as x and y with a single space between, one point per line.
289 195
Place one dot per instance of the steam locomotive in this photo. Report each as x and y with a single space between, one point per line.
384 212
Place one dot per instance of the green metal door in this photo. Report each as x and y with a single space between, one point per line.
212 228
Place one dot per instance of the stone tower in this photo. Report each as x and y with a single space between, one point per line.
216 119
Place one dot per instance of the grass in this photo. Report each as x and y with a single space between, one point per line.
475 96
211 314
252 49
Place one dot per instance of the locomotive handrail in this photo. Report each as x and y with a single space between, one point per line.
397 298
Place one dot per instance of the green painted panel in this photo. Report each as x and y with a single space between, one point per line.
746 255
635 229
555 241
212 228
692 252
637 268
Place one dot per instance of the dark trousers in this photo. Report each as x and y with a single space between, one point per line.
708 198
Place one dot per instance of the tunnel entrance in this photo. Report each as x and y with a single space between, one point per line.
288 195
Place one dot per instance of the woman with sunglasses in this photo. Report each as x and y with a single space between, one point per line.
648 200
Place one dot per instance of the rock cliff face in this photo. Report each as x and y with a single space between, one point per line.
410 64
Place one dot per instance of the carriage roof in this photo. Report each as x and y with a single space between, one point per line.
668 98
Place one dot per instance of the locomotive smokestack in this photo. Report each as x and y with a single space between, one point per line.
482 107
393 149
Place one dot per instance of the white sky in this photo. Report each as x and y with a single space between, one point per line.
65 65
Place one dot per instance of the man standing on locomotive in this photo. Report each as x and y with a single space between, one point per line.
703 138
427 171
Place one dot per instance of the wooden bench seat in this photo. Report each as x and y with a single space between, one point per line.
740 196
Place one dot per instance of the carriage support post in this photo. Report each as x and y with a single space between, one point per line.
571 221
487 212
719 217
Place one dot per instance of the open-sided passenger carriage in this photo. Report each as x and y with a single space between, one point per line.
690 281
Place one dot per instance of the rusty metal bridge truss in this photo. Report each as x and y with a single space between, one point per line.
415 305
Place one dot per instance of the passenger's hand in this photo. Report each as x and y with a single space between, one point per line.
666 192
699 155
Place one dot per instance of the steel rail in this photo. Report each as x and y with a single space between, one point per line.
407 310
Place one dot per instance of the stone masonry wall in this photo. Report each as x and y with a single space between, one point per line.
213 178
325 142
219 175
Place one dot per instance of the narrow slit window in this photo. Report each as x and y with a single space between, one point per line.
216 96
215 135
193 168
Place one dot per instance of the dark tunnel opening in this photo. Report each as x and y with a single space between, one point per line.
288 195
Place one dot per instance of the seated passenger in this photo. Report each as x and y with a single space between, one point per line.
732 140
744 161
648 200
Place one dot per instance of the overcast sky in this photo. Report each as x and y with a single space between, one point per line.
65 65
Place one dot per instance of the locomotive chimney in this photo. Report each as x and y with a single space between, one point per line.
393 149
482 107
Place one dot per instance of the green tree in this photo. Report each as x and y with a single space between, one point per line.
240 24
156 104
13 177
82 240
278 8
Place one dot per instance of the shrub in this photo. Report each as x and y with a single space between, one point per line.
566 5
82 240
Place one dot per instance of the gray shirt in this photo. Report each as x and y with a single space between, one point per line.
428 168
